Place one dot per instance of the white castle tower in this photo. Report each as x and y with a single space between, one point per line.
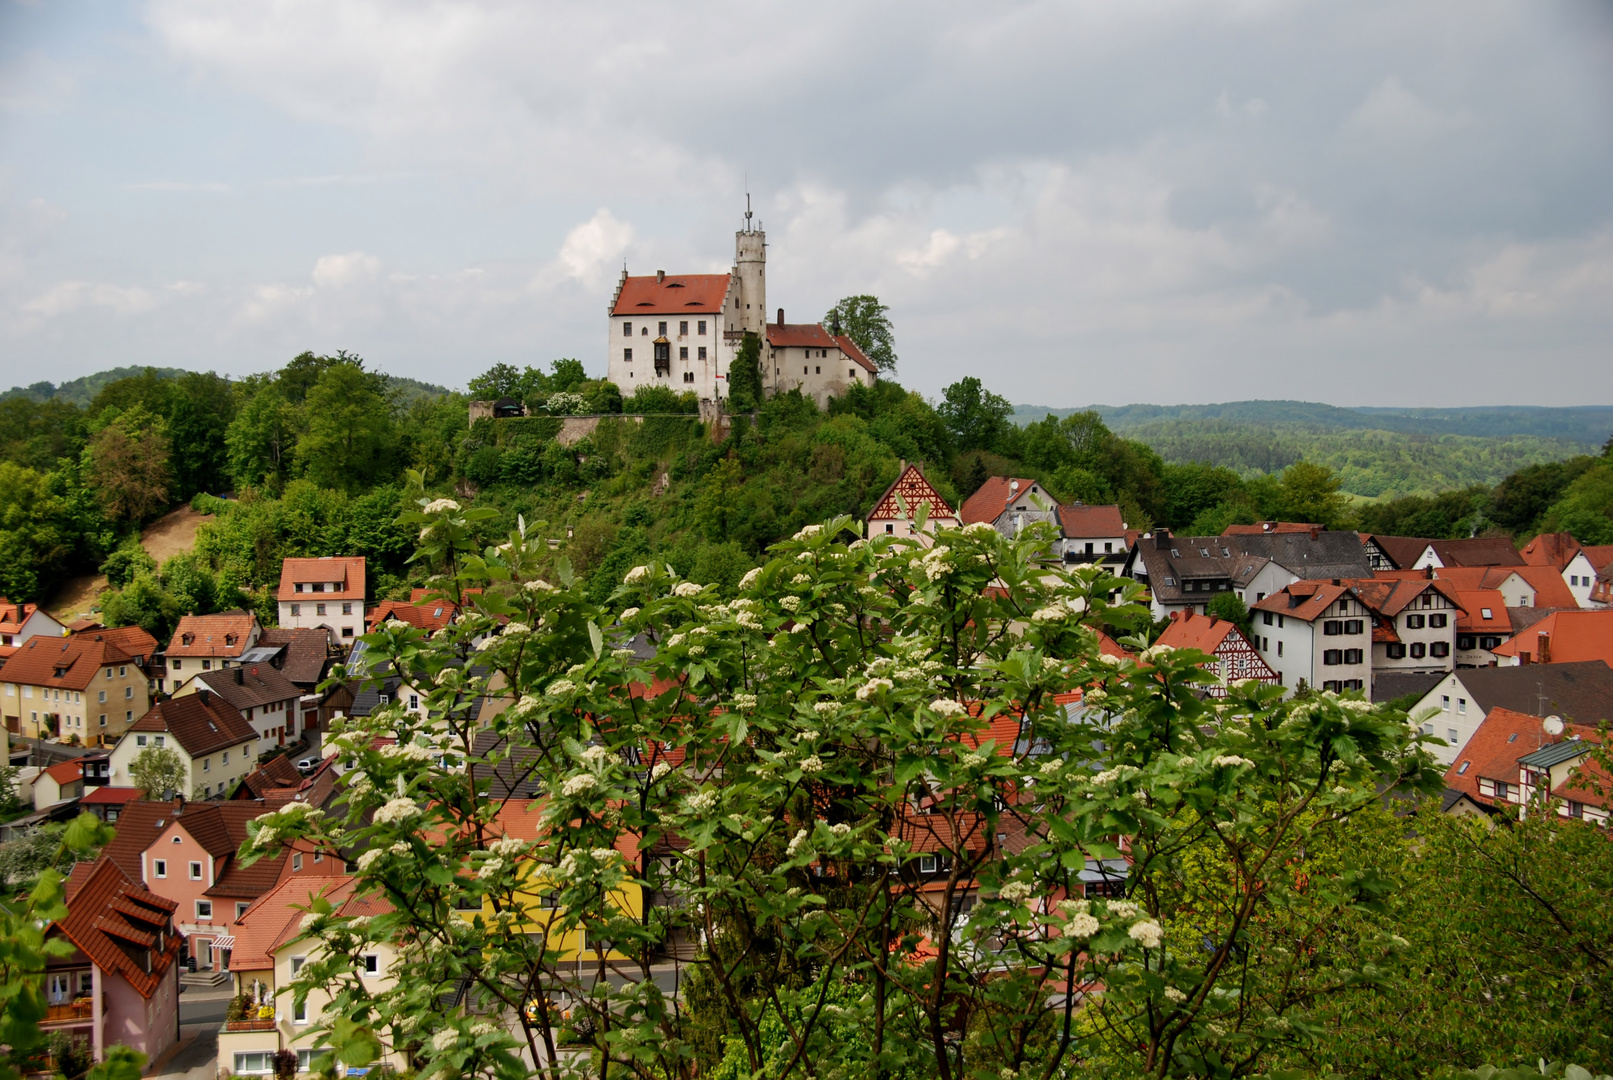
750 275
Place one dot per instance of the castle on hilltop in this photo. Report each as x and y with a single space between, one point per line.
682 331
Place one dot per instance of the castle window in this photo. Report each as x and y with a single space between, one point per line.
627 354
702 349
688 376
683 352
683 328
818 370
702 327
627 329
662 331
663 359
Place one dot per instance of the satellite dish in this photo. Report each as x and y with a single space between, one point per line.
1553 725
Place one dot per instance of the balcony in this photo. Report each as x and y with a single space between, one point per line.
67 1013
249 1025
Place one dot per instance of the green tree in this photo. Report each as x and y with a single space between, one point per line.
977 418
143 602
1586 507
260 440
499 381
158 772
201 407
1522 499
745 376
128 465
1195 487
566 375
350 440
1230 606
123 564
1310 492
867 322
830 762
37 537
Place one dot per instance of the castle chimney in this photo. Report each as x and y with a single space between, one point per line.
660 277
781 317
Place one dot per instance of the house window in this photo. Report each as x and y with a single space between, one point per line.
661 329
1265 618
1414 622
103 697
299 1010
1352 656
207 764
347 607
663 358
688 376
296 862
1445 702
160 740
254 1063
296 609
1437 620
240 908
1451 736
683 352
140 740
1395 651
1439 648
177 663
103 719
1333 657
1279 648
204 909
414 701
1461 705
926 864
159 868
226 757
1418 650
371 964
319 609
296 964
195 871
128 691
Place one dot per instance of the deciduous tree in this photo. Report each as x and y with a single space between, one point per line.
867 322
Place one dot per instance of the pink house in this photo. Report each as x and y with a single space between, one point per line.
186 853
120 984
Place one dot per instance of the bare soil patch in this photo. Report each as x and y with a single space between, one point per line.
164 538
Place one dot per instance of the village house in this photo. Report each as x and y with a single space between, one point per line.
1561 637
208 642
894 511
682 331
1577 564
1520 586
1515 759
1085 533
1483 624
215 744
1421 553
120 982
19 622
90 686
1318 633
323 593
186 853
1186 572
108 803
270 951
1234 658
261 694
59 783
1413 624
1094 534
1455 706
829 361
424 609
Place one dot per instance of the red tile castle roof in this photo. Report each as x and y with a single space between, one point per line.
671 294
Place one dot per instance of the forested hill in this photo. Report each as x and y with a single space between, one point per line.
1378 452
83 391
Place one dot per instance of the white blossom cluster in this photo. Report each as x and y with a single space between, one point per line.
744 701
1016 890
1147 933
437 506
1109 776
1051 613
812 764
790 603
703 802
686 588
397 810
948 707
579 784
872 687
660 770
750 578
1230 760
935 562
636 575
1156 652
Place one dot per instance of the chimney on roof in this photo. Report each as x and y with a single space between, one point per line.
781 317
660 277
1315 533
1214 619
1545 648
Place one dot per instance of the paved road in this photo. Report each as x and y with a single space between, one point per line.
202 1009
197 1059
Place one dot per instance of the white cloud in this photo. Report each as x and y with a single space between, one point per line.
1392 111
340 271
592 249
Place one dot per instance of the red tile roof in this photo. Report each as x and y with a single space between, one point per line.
201 723
855 353
66 772
993 498
1392 597
111 796
276 918
673 294
1081 521
1190 631
1556 550
347 571
1310 599
306 655
225 634
248 686
114 920
430 615
70 663
1475 602
1261 528
1550 588
12 616
800 335
1600 555
1494 749
1477 551
1570 636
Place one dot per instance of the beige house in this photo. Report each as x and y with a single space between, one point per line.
208 643
895 513
90 686
325 593
816 361
269 952
215 743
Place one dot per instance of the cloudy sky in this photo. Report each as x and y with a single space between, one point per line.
1398 202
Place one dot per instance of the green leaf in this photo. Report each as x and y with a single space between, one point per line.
596 638
562 569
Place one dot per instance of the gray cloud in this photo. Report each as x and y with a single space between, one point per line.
1160 201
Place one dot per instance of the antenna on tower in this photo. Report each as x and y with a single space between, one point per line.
747 211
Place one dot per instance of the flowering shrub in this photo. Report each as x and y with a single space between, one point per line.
878 786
